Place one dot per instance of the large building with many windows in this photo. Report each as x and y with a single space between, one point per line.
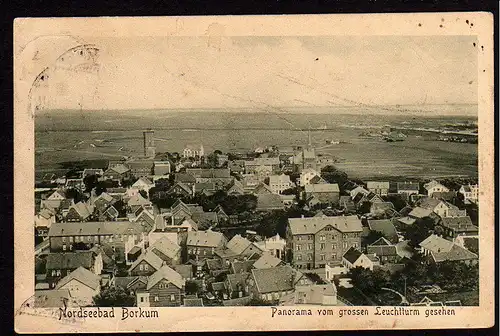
318 241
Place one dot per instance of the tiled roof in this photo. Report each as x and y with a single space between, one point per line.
312 225
436 244
82 275
277 179
186 271
218 286
82 209
207 238
262 189
242 266
269 201
238 244
276 279
433 184
419 212
90 228
198 302
209 173
456 253
352 254
385 226
166 247
141 181
167 273
382 247
461 224
70 260
239 278
320 188
151 258
407 220
185 178
317 180
128 281
314 294
263 161
120 169
267 260
138 200
51 298
408 186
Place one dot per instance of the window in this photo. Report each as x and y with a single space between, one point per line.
53 272
309 256
309 246
299 257
142 299
334 255
321 257
355 245
344 244
70 247
58 272
70 239
344 235
146 267
141 267
160 286
64 247
190 251
89 239
110 239
96 238
298 247
322 246
64 239
334 246
172 297
204 252
121 237
322 237
299 237
157 299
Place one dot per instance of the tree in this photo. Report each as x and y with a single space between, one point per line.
397 200
192 287
290 191
368 281
418 231
90 182
114 296
74 194
332 175
364 207
372 237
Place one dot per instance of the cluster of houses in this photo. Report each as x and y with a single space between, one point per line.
119 238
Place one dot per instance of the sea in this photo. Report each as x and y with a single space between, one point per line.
68 135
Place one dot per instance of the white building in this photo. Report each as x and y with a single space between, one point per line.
82 285
278 183
434 186
306 175
193 151
274 245
470 192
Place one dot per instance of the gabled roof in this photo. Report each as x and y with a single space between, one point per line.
51 298
269 201
82 209
209 173
112 212
70 260
408 186
238 244
321 188
382 247
199 187
352 254
183 186
206 238
267 260
462 223
186 271
119 168
314 294
151 258
82 275
128 281
435 243
142 181
385 226
242 266
419 212
317 180
276 279
167 273
433 184
233 280
138 200
166 247
89 228
276 179
456 253
311 225
184 178
262 189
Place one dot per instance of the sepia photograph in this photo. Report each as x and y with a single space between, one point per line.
292 174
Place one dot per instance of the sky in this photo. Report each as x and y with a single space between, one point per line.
260 72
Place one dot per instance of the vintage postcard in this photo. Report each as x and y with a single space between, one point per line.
304 172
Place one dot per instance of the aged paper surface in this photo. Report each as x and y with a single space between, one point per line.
92 85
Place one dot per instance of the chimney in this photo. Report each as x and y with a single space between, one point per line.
302 216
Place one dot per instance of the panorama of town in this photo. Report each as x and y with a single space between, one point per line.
274 226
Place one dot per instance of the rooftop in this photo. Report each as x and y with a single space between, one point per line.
312 225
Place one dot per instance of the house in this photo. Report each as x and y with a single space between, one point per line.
235 188
318 241
79 212
279 183
161 168
379 188
59 264
143 183
324 193
438 249
407 188
187 179
262 172
307 175
444 195
43 220
186 271
111 214
434 186
270 164
92 172
165 288
269 202
236 166
358 190
117 172
317 180
75 184
242 246
271 284
458 226
147 264
346 204
221 177
384 250
274 245
141 167
146 220
102 202
322 295
440 207
267 260
262 188
168 250
182 189
240 266
237 285
82 285
202 244
383 209
353 258
386 227
222 159
470 192
53 202
207 188
117 193
130 283
55 298
191 151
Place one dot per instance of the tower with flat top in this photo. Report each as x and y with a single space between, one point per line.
149 143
